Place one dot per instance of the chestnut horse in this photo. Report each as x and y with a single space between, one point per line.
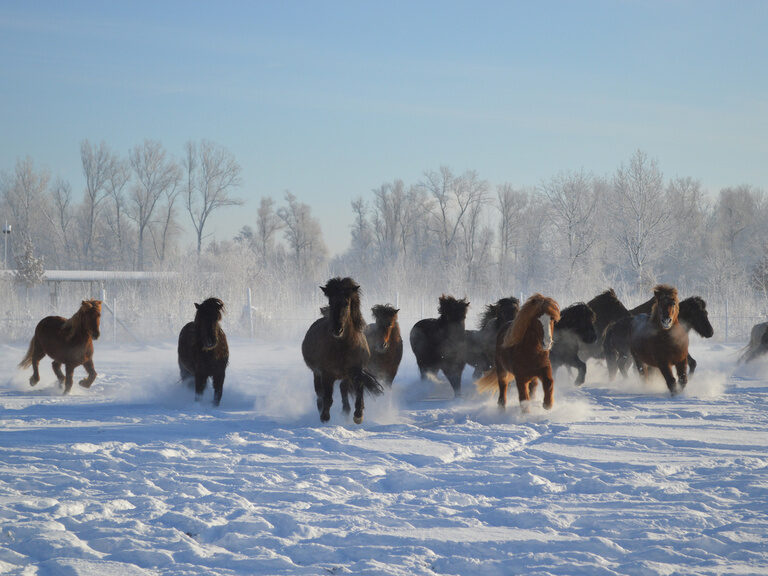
659 340
68 342
335 348
440 343
522 353
693 315
385 343
203 350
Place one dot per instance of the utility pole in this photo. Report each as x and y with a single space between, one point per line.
6 233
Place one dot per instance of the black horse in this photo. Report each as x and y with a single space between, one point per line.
758 343
440 343
203 350
335 348
575 329
692 315
385 343
481 344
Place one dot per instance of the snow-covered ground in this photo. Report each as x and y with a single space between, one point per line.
132 477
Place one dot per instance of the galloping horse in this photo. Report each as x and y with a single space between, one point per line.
575 328
608 309
660 340
758 343
481 344
522 352
693 315
335 348
385 343
440 343
203 349
68 342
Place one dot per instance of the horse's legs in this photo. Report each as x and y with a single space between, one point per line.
547 383
37 355
359 403
57 370
582 366
669 378
453 373
70 369
318 391
344 387
612 362
201 379
86 382
523 391
691 365
327 398
682 373
503 377
422 370
624 366
218 387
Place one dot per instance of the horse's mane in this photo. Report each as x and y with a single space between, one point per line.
575 315
660 291
384 313
208 305
348 287
607 298
75 325
451 309
534 307
693 303
499 311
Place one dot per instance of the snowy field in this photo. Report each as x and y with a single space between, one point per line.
132 477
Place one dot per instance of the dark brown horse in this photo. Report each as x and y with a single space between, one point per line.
440 343
335 348
659 340
203 349
481 344
607 308
575 329
522 353
384 343
68 342
758 343
693 315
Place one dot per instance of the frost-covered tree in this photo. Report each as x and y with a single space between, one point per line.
304 237
30 269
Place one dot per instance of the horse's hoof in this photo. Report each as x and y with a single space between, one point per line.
357 419
198 397
346 409
33 382
547 406
325 416
84 383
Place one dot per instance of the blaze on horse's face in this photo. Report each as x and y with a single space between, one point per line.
547 326
339 304
207 319
668 310
93 317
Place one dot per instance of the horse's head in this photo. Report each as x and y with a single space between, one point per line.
693 311
343 304
539 313
91 317
580 319
207 319
665 306
607 308
452 310
386 320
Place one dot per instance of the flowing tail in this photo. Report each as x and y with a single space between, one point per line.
488 382
27 361
368 382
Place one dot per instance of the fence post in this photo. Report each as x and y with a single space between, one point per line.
250 313
726 320
397 300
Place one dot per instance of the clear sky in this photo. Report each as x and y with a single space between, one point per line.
331 99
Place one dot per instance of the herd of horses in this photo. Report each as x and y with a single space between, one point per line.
525 343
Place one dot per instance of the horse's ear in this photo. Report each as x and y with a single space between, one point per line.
397 310
197 306
324 289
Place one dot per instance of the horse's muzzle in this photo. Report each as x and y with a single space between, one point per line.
337 333
666 323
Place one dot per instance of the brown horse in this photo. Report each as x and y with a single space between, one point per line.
660 340
335 348
68 342
693 315
522 353
385 343
203 350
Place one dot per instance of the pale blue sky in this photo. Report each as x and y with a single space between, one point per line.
330 99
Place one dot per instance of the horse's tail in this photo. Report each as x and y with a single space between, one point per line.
27 361
488 382
368 382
